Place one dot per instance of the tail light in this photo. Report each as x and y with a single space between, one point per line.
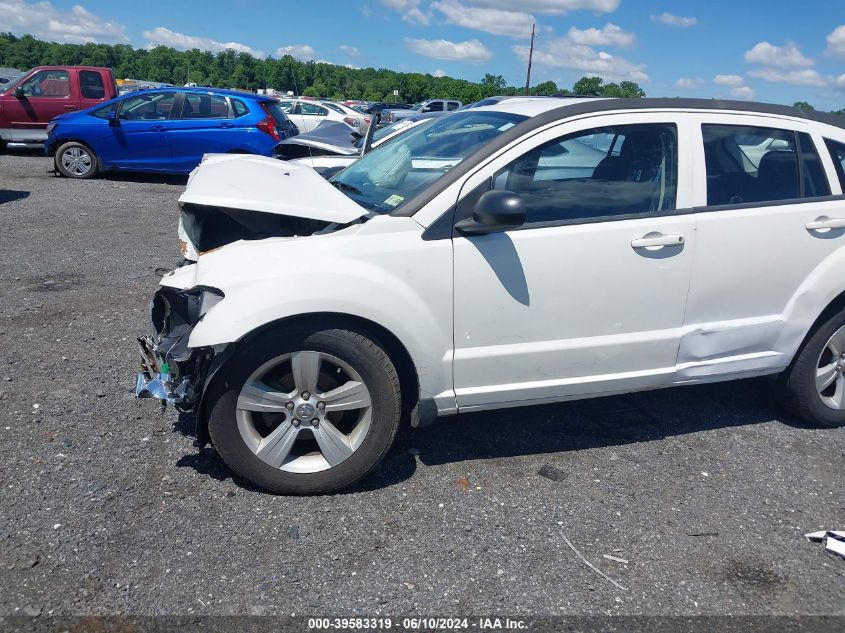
268 125
351 121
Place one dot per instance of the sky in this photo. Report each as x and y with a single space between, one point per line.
768 50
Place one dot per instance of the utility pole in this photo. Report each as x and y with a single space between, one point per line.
530 57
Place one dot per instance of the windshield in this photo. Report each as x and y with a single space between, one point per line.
13 81
396 171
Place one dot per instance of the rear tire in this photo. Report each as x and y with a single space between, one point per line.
75 160
813 388
267 424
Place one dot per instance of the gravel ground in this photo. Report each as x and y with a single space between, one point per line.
107 507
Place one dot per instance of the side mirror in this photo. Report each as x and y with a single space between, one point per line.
19 93
113 119
495 211
426 109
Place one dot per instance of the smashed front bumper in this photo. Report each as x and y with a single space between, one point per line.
155 379
171 371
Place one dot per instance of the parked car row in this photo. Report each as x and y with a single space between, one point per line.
523 252
88 128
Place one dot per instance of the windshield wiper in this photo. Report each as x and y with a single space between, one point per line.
345 187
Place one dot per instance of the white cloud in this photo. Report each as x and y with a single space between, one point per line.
806 77
552 7
471 51
674 20
442 73
742 92
44 21
609 35
563 53
728 80
300 51
685 83
352 51
161 36
836 41
410 10
737 85
786 56
493 21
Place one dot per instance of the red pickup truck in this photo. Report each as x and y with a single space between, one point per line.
29 102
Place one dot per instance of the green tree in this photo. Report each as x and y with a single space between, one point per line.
588 86
496 82
803 105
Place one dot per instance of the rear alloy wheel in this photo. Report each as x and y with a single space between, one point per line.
815 384
75 160
307 414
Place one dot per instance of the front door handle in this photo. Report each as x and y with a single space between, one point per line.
657 240
159 128
70 107
225 125
825 223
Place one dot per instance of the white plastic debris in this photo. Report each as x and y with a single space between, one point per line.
834 540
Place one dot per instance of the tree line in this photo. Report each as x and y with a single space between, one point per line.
231 69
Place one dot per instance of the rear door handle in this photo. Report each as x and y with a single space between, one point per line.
824 223
225 125
657 240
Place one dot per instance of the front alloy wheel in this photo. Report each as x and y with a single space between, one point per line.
304 412
307 412
75 160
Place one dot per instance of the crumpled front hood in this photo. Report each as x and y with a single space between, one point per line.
267 185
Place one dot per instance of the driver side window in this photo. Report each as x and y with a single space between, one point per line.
47 84
148 106
598 173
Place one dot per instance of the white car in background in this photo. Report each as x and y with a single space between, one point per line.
307 114
469 265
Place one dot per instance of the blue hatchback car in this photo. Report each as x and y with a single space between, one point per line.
165 130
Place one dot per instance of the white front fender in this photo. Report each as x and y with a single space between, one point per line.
388 275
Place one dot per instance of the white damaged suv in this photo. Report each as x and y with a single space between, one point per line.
521 253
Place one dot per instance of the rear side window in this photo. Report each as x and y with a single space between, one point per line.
436 106
202 106
312 109
570 179
753 164
91 85
335 107
814 180
837 152
239 108
453 105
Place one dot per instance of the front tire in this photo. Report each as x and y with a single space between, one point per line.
814 386
75 160
306 412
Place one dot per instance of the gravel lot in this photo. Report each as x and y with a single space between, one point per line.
107 506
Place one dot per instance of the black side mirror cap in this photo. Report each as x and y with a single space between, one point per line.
19 93
495 211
